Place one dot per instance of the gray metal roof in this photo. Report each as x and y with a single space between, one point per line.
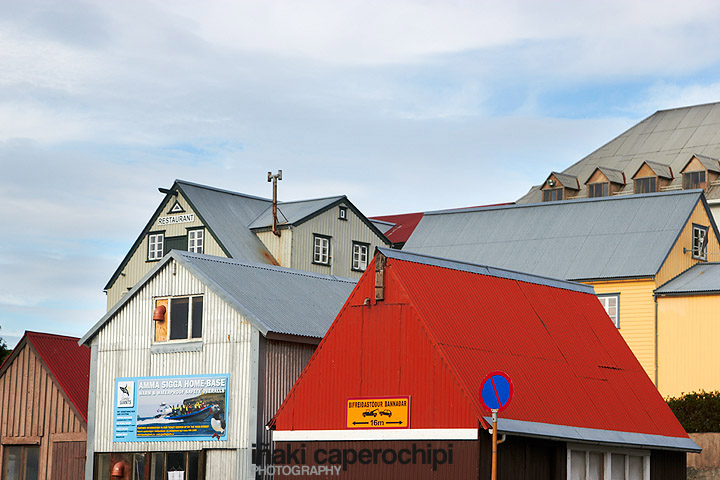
610 237
227 214
699 279
293 213
592 435
710 163
662 170
275 299
668 137
614 176
485 270
567 181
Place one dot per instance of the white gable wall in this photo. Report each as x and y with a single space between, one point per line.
229 345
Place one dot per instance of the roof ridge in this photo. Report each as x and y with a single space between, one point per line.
489 270
335 197
686 107
263 266
221 190
633 196
53 335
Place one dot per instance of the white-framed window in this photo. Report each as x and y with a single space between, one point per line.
699 245
184 316
321 249
611 303
587 462
360 256
196 240
342 213
155 246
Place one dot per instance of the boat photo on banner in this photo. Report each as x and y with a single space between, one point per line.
175 408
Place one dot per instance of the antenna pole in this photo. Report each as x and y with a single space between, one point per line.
274 179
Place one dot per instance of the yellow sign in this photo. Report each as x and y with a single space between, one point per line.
378 412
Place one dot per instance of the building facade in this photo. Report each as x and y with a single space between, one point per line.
392 390
43 408
195 359
328 235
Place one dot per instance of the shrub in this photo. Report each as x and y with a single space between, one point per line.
697 411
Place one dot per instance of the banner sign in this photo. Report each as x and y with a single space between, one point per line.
186 218
378 412
177 408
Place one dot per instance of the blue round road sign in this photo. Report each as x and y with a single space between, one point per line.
496 391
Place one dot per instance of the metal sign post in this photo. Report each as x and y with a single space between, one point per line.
496 392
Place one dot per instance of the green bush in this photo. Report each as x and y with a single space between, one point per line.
698 411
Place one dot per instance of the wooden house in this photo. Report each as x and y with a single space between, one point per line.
43 408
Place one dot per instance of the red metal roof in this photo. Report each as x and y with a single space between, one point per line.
68 362
443 326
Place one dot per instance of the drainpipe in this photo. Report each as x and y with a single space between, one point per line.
657 383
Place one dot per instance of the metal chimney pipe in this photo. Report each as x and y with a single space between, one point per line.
274 178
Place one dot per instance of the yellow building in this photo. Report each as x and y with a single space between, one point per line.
625 246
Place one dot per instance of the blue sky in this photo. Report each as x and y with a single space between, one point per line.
403 106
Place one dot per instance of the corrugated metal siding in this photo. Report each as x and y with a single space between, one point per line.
34 409
464 466
637 317
124 351
279 247
688 355
679 261
343 233
221 464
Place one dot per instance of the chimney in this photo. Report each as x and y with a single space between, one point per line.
274 178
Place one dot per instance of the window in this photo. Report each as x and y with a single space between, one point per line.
699 245
155 246
693 180
611 303
342 213
321 250
552 195
152 466
646 185
595 463
195 241
360 256
21 462
598 190
185 317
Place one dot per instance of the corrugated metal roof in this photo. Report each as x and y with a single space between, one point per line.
404 224
668 137
276 299
293 213
569 365
610 237
228 215
698 279
68 362
615 176
710 163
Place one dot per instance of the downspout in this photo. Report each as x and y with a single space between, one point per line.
656 341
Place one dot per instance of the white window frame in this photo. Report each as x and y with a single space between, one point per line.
360 254
342 213
156 243
168 316
607 453
196 240
699 234
606 301
321 249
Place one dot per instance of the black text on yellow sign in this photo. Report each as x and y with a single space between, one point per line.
378 412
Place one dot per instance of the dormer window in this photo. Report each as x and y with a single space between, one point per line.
552 195
693 180
559 186
651 177
646 185
605 182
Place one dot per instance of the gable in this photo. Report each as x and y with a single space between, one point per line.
680 258
384 354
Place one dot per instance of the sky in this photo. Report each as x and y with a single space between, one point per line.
402 105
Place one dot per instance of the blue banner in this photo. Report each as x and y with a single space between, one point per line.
177 408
